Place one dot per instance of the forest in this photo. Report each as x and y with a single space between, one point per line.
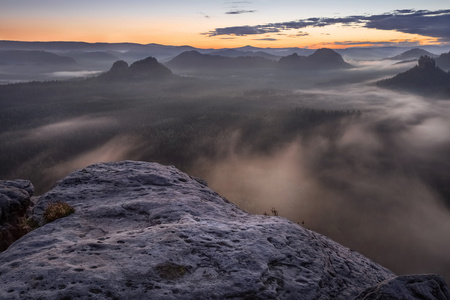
165 121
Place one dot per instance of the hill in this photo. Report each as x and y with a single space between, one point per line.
238 53
321 59
33 57
145 69
425 78
196 60
145 231
415 53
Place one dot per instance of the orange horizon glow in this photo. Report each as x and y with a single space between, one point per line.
238 44
335 37
210 25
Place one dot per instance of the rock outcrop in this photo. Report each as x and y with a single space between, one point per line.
145 69
148 68
146 231
118 71
426 78
15 198
321 59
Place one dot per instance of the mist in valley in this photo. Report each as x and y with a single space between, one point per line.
365 166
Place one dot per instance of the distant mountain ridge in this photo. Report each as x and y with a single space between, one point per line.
240 53
19 57
415 53
134 51
196 60
321 59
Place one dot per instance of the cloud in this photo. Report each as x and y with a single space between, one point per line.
60 129
266 39
72 74
238 12
422 22
242 30
299 34
379 43
364 185
116 149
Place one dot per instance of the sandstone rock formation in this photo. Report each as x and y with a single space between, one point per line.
145 69
146 231
321 59
15 198
426 78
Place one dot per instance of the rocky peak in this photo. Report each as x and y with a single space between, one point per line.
321 59
426 62
326 53
119 66
148 68
146 231
426 78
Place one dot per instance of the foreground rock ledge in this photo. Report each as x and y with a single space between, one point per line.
15 198
146 231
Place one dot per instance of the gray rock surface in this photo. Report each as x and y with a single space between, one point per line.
146 231
430 287
15 198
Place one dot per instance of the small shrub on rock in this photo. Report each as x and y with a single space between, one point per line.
57 210
30 224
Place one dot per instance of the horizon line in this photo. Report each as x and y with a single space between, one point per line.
363 45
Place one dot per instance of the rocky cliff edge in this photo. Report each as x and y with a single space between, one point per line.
146 231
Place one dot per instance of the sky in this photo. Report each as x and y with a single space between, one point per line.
229 24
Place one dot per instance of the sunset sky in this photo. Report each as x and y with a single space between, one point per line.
228 24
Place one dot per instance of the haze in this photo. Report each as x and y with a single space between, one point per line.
324 146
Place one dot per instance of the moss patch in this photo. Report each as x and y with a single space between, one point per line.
171 271
57 210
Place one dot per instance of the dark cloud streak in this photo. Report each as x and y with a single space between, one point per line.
378 43
241 11
242 30
266 39
422 22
